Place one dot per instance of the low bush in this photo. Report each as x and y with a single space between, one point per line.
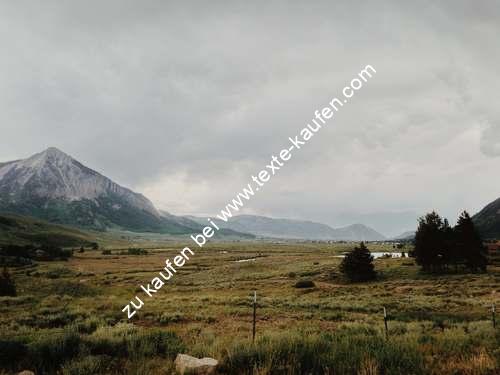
125 340
134 251
58 272
75 352
14 261
44 252
48 353
73 289
11 352
7 285
302 284
88 326
91 365
167 318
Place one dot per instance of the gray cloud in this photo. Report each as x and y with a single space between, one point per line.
185 101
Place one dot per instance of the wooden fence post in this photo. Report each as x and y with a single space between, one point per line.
385 324
254 314
493 318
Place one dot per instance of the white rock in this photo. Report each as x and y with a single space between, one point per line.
187 364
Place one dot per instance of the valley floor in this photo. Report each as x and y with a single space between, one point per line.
67 317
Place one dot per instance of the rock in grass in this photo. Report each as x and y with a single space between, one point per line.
26 372
185 364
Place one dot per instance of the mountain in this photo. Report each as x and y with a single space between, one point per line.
188 221
487 221
409 235
295 229
55 187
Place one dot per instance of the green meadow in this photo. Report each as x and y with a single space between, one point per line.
67 316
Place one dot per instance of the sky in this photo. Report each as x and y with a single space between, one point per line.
184 101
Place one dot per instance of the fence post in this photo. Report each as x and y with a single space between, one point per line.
385 324
254 314
493 318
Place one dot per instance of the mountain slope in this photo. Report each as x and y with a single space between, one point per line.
295 229
200 224
53 186
19 230
408 235
487 221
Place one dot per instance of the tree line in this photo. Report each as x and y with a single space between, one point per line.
440 247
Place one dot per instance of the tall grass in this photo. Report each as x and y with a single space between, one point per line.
70 350
330 353
362 350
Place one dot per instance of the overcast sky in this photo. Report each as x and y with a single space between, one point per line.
183 103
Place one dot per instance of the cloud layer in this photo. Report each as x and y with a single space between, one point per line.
185 102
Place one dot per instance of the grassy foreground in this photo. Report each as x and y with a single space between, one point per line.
67 316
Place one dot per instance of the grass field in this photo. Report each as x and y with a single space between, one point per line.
67 316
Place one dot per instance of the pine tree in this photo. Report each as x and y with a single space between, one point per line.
7 286
469 246
430 242
447 249
358 264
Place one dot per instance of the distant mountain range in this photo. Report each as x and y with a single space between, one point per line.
55 187
295 229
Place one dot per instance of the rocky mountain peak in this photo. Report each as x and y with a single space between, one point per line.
53 174
51 155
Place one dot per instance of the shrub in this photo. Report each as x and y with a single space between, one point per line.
127 341
302 284
14 261
167 318
7 285
44 252
69 288
106 252
135 251
48 353
153 343
56 273
87 366
11 352
55 320
88 326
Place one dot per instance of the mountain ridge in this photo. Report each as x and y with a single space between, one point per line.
295 229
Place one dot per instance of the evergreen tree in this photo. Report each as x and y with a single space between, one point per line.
430 242
469 246
447 248
358 264
7 286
